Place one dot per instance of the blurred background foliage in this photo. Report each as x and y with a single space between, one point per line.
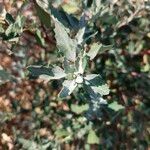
32 117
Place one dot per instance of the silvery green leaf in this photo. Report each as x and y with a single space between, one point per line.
101 89
64 134
79 35
95 47
65 44
92 137
68 88
79 109
102 101
115 106
68 67
97 5
44 4
97 84
95 8
47 73
79 79
81 63
61 133
94 79
71 7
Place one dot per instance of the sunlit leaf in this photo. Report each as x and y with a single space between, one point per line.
102 89
79 35
97 84
68 88
115 106
79 109
81 64
95 47
65 44
92 137
61 133
44 4
71 7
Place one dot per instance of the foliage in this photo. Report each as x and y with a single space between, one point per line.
74 74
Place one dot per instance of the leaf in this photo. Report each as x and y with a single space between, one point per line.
96 104
70 7
102 101
28 144
105 48
68 67
68 88
79 35
111 19
16 28
97 84
64 43
39 37
1 29
9 18
96 7
69 20
6 116
81 64
44 4
47 73
4 76
32 145
94 97
90 92
61 133
92 137
79 109
102 89
42 12
115 106
9 30
95 47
